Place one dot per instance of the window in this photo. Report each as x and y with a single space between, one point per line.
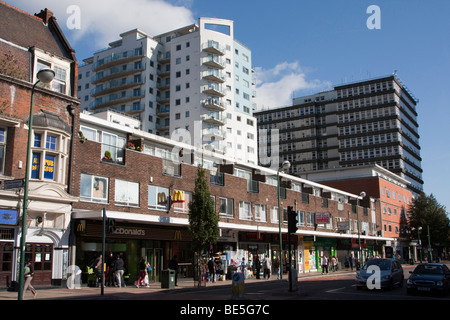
260 212
157 197
274 214
127 193
245 210
226 207
183 207
93 188
49 159
114 145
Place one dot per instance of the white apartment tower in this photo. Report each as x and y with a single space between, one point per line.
193 84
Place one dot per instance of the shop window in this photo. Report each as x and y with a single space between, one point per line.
157 197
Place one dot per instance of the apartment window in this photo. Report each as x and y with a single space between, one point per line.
274 214
93 188
260 212
226 207
245 210
112 145
157 197
127 193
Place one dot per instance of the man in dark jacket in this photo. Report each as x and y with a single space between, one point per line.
173 264
118 271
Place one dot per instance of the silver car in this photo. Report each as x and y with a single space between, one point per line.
380 274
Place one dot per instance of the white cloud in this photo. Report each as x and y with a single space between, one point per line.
104 20
275 87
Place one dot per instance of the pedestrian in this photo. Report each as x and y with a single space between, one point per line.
351 261
141 275
173 264
110 270
118 271
97 266
324 264
257 267
28 275
267 268
276 266
333 263
212 270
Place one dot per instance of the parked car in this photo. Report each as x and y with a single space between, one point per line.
380 274
428 278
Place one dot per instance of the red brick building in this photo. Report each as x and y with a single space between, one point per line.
132 184
29 43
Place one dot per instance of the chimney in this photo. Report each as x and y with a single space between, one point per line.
45 15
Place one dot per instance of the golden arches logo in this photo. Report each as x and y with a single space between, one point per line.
80 227
177 235
162 199
178 196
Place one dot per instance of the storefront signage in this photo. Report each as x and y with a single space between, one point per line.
9 217
343 225
322 217
129 231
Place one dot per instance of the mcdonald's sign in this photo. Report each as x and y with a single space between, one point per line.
162 198
80 226
177 197
177 235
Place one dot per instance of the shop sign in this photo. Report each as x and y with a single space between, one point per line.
322 217
129 231
9 217
343 225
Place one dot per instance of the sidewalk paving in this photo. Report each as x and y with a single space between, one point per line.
124 293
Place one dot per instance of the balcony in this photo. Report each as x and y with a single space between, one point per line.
163 111
114 99
213 75
213 47
213 62
213 90
214 104
116 85
117 58
115 73
214 118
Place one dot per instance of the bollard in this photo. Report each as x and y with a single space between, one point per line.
238 285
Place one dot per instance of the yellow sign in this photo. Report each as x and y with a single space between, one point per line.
178 196
162 198
177 235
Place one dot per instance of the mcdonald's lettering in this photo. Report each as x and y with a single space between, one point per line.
177 235
162 198
178 196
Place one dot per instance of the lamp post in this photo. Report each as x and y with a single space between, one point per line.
44 76
286 165
418 241
361 196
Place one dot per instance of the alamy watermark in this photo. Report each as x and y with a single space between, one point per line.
374 21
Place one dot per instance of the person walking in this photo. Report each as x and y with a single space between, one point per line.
351 261
28 274
212 270
333 263
97 266
276 266
118 271
257 266
267 268
324 264
141 276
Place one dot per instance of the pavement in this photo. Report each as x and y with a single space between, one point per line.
131 292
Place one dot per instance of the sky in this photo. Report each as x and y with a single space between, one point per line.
301 47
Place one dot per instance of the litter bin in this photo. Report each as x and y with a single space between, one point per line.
167 279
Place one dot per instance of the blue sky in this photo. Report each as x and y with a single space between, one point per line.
301 47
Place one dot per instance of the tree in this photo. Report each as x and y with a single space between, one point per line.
203 219
426 212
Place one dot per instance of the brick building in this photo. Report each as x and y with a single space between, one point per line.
29 43
131 184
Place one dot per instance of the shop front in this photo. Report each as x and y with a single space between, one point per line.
157 244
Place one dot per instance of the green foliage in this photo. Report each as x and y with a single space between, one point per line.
426 211
203 219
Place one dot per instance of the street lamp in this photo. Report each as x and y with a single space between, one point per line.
44 76
286 165
361 196
418 241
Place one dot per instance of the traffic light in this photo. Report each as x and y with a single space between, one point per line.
111 225
292 220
